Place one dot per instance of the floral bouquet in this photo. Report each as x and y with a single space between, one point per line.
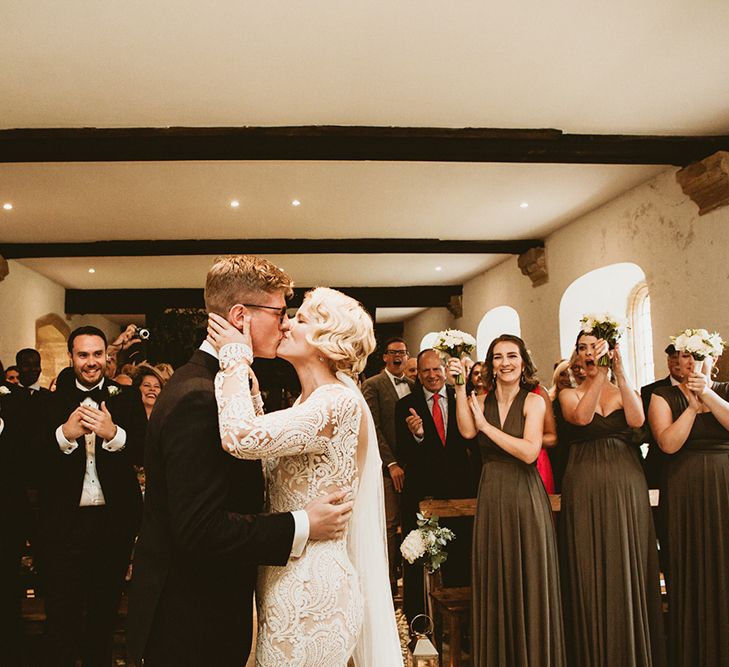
427 540
606 326
455 343
700 344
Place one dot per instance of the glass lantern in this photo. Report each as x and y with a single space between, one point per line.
422 652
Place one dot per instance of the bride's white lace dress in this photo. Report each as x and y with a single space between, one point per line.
310 612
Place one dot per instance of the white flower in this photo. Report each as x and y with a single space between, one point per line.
4 390
413 546
699 343
113 390
695 343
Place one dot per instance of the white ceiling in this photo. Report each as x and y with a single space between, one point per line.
653 67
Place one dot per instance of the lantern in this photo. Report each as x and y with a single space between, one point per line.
422 652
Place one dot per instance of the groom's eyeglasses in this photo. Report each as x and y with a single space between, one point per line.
281 312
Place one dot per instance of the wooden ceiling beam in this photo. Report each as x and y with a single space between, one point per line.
158 248
421 144
114 301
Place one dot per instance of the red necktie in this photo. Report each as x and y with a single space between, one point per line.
438 419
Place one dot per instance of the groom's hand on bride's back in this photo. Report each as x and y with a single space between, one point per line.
329 515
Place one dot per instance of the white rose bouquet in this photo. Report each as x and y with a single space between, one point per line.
427 541
455 343
700 344
606 326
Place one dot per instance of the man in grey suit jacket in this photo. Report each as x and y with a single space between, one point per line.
382 392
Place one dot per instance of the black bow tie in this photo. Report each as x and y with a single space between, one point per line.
97 394
399 380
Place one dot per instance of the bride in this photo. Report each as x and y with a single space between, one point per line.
334 601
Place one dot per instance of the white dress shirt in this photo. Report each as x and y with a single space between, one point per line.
402 388
92 494
301 518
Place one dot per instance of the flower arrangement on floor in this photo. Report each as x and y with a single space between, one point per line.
606 326
455 343
427 541
700 344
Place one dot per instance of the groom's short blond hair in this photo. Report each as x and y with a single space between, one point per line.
240 279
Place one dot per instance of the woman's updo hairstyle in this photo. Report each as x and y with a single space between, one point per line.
342 329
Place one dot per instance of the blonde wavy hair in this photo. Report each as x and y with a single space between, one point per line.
342 329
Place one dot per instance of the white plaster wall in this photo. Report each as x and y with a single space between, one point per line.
110 329
657 227
24 297
433 319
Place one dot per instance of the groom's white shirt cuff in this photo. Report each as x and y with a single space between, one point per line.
301 532
301 518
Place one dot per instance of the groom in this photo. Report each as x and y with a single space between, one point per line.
202 533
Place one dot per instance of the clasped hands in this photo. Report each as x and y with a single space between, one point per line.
86 419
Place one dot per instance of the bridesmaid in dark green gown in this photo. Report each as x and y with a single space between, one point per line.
691 423
517 612
608 553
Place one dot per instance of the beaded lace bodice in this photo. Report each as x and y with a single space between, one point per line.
309 611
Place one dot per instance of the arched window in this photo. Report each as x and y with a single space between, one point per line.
616 289
639 320
51 333
428 340
497 321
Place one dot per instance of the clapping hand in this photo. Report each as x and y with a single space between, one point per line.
617 358
221 332
74 427
415 423
478 417
98 421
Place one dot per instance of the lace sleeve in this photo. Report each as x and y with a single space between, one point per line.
304 428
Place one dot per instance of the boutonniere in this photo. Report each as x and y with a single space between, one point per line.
4 390
113 390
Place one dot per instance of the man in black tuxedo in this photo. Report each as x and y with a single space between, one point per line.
439 463
202 536
382 392
13 530
655 458
90 503
31 407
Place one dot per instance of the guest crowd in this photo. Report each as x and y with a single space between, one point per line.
582 590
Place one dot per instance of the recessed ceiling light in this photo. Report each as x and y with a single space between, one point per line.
8 206
438 268
295 202
235 203
92 270
524 204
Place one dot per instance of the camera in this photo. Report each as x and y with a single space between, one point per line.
142 334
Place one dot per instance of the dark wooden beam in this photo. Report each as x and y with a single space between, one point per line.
113 301
264 247
421 144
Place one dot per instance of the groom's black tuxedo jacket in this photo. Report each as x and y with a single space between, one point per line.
201 539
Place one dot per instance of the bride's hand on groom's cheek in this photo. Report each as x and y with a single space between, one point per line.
221 332
329 515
